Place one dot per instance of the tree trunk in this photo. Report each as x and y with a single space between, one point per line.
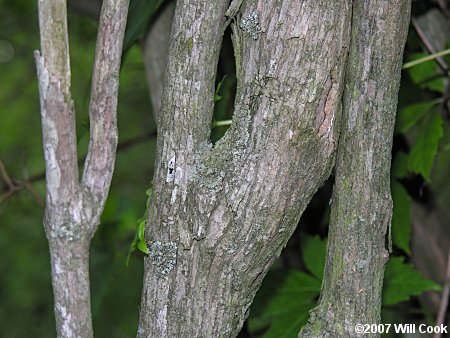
362 206
73 208
221 214
155 50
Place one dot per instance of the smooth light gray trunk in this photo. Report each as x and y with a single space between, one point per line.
73 207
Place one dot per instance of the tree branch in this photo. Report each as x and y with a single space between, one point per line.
221 214
57 113
156 49
361 205
15 185
73 211
435 55
99 164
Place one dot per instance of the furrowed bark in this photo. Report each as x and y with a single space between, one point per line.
362 206
221 214
73 210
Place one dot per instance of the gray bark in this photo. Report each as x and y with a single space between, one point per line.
73 209
362 206
221 215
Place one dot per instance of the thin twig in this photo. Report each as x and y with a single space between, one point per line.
12 186
5 176
444 8
221 123
434 54
444 299
17 185
440 61
34 193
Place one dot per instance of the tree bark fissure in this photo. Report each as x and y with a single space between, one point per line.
221 214
362 207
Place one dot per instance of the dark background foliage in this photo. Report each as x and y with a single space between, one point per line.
420 184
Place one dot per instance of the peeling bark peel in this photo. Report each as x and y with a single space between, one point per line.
362 206
73 210
231 208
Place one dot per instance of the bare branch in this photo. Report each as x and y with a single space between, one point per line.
362 206
99 164
72 213
20 184
428 45
34 193
58 120
12 186
156 48
5 176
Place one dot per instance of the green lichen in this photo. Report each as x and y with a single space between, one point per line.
189 44
251 26
163 256
211 163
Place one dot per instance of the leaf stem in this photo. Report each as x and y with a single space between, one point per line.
221 123
425 59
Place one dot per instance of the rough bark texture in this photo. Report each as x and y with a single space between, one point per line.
72 209
362 206
221 214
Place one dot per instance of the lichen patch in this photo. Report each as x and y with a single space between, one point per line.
163 256
251 26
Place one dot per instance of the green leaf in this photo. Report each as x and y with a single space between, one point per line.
426 146
141 228
143 247
410 115
219 85
401 218
426 75
139 238
139 15
283 303
314 252
401 282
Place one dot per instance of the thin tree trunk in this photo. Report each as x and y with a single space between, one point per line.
156 48
221 215
73 209
362 206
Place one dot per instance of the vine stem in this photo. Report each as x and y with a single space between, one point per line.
425 59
